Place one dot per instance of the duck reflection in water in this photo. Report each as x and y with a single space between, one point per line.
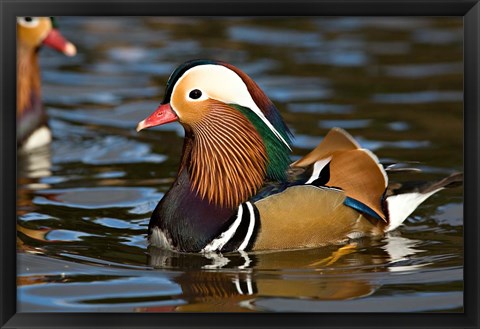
233 282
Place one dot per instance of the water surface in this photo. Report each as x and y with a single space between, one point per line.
84 202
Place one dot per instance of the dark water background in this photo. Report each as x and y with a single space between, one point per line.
84 203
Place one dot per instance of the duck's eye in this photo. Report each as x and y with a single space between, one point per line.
28 21
195 94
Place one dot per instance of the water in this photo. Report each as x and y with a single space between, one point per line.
84 203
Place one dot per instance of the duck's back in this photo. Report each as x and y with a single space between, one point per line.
308 216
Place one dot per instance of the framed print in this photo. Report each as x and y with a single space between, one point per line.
172 164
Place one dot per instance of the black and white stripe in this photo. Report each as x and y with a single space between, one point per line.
240 234
245 286
321 172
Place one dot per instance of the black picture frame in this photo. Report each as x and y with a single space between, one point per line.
469 9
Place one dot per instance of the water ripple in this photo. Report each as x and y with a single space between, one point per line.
96 197
419 97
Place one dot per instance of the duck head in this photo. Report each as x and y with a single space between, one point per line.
32 32
235 137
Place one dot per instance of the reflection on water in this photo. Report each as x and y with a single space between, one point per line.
242 282
85 201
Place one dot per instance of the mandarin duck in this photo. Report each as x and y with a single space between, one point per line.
236 189
32 33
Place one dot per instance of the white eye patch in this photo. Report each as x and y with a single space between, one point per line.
29 22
